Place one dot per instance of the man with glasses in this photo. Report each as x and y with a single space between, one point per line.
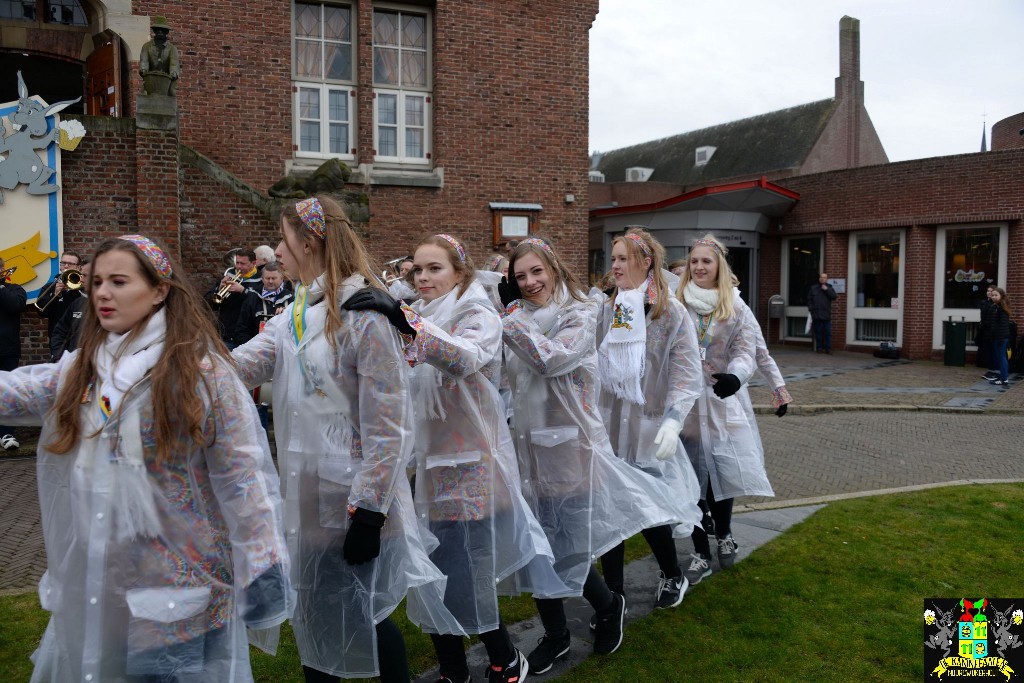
58 298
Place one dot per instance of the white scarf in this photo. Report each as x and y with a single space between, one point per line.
703 301
440 312
121 364
623 351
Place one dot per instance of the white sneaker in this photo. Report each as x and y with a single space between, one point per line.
9 443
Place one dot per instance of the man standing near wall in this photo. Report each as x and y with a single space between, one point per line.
57 298
12 302
248 277
819 305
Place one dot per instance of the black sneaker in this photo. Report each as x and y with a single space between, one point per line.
513 673
593 617
608 631
999 382
670 591
549 649
990 376
699 569
726 551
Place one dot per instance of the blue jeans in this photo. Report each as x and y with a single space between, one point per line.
1000 363
823 335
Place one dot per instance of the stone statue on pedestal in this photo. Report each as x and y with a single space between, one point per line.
159 63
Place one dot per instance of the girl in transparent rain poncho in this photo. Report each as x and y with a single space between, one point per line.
587 500
650 378
467 477
720 434
343 425
160 505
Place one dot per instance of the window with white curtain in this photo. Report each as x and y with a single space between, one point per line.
402 85
324 80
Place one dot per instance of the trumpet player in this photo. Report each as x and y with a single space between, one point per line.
226 296
401 287
65 332
55 298
13 301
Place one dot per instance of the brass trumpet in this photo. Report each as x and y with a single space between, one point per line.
225 290
72 279
388 279
7 273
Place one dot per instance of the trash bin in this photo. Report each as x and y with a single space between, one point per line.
955 333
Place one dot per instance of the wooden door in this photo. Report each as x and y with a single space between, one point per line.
103 78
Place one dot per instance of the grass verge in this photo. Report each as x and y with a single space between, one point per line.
837 598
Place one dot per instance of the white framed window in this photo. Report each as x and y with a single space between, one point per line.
402 82
803 260
874 309
323 71
968 259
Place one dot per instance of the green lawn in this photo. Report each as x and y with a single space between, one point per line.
837 598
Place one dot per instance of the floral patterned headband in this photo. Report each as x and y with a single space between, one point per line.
456 244
154 254
312 215
713 246
640 243
538 242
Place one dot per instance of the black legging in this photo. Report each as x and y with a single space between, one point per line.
662 545
451 652
552 610
721 513
394 667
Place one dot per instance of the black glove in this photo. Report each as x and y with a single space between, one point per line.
362 542
265 597
782 409
508 290
727 384
374 299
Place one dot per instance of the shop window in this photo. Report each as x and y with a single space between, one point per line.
876 298
324 80
972 264
402 86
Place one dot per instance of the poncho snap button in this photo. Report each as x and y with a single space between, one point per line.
99 515
170 605
88 677
92 601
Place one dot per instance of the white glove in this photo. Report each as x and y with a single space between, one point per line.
667 439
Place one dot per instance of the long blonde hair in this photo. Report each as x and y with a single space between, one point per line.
636 255
726 279
343 255
560 275
190 338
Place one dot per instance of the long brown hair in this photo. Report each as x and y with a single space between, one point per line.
1004 303
461 267
635 255
556 270
191 336
343 255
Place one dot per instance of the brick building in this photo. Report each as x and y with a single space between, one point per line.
808 190
470 118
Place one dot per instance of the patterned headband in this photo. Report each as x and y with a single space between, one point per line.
312 215
713 246
538 242
640 243
153 253
456 244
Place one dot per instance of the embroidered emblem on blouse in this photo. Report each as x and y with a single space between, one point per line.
622 317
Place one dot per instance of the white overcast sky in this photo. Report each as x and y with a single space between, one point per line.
931 68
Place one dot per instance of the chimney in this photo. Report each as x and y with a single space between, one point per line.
849 85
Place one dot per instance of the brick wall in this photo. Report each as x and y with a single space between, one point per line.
916 196
1006 133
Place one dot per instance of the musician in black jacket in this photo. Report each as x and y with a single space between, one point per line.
259 306
65 333
12 302
56 298
229 308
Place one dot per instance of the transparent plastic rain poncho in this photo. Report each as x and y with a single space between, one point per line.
171 606
587 499
467 477
768 368
721 435
343 426
671 383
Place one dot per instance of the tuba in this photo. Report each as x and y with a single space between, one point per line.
224 292
72 279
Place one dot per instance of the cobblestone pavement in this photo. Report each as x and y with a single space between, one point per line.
808 454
